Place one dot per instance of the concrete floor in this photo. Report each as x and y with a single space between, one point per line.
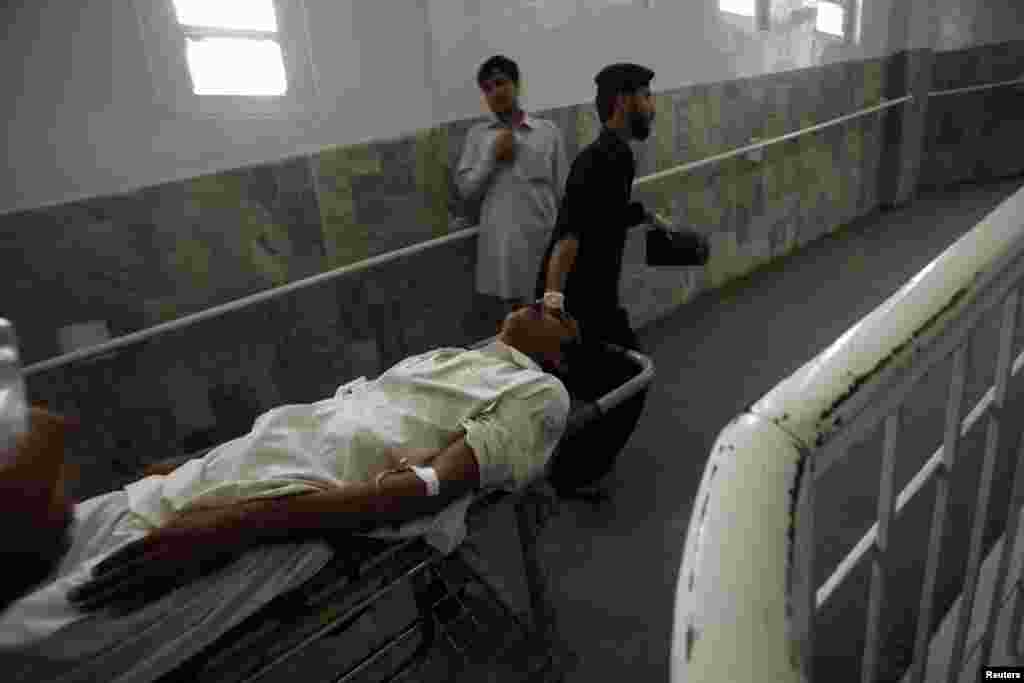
612 569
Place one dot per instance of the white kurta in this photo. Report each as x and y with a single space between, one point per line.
512 412
519 202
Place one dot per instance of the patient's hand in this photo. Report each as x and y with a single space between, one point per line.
196 543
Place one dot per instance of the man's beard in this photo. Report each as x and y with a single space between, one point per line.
640 125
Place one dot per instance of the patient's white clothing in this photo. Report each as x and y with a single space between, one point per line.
512 411
513 414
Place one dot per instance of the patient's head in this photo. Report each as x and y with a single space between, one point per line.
540 334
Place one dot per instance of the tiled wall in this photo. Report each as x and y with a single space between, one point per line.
975 136
163 252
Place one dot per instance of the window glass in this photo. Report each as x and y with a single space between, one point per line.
830 18
236 66
254 15
746 8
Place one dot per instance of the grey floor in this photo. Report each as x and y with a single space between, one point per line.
613 568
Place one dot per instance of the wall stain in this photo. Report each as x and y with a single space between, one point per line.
692 636
802 467
884 362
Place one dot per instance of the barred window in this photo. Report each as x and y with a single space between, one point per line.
232 47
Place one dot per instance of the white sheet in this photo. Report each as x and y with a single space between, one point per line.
153 640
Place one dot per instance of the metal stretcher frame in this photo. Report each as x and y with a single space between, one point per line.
365 570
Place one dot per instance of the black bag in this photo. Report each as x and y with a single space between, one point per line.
676 248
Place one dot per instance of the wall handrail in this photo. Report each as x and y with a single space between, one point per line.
972 88
380 259
237 304
682 168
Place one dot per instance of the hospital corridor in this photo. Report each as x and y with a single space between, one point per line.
480 341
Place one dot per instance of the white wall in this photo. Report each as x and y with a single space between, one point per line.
561 44
87 116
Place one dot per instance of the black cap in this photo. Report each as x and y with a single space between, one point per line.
623 78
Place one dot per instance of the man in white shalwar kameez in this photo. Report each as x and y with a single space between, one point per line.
514 167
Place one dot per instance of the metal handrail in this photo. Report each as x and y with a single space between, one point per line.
972 88
215 311
885 104
365 264
760 478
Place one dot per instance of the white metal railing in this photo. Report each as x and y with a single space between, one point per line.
352 268
746 599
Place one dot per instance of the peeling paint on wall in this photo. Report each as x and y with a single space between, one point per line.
860 380
191 257
664 133
725 256
161 310
432 174
266 244
345 240
873 80
700 119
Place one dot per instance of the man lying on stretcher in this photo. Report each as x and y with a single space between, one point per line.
424 434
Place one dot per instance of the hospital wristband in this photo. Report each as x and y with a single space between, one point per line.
554 300
429 477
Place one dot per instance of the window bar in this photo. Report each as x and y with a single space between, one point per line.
944 474
985 485
1016 622
849 20
1009 547
210 32
886 501
808 560
837 445
764 15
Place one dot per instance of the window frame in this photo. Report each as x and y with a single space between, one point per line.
850 9
165 40
762 14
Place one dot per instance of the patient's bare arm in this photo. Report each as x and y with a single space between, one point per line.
401 497
164 467
199 541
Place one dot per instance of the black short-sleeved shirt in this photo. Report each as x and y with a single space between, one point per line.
596 210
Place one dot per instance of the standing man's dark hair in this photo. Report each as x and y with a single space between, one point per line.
626 88
497 64
619 79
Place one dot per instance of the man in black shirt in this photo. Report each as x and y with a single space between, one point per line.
583 262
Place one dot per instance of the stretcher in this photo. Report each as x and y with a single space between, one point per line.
447 595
